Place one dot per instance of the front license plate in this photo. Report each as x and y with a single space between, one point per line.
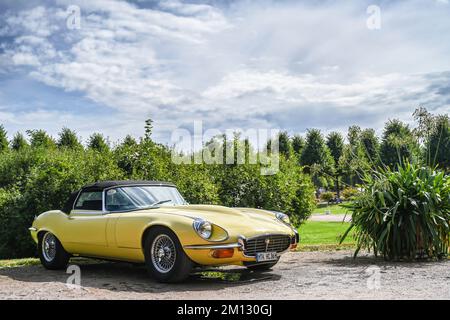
266 256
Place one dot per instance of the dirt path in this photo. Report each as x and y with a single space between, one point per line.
307 275
330 217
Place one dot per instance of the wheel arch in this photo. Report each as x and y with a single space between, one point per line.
40 233
150 227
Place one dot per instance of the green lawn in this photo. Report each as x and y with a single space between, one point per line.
323 233
334 209
11 263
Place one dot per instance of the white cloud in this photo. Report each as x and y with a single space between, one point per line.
244 64
25 59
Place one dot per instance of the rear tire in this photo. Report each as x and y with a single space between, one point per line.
51 252
164 256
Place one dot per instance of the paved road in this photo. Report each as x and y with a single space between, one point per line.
303 275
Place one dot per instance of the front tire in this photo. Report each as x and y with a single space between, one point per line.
51 252
164 257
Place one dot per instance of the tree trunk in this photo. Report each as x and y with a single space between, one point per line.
338 195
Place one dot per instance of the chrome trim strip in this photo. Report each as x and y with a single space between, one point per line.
76 200
296 236
213 246
268 235
85 213
32 229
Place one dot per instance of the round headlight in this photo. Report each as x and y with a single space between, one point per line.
283 217
203 228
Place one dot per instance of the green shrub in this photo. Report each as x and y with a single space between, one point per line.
349 193
42 181
403 214
37 179
289 191
327 196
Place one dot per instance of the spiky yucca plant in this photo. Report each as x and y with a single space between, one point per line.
403 214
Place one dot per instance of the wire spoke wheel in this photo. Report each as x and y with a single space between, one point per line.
163 253
49 247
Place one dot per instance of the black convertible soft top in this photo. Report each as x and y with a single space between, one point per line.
101 185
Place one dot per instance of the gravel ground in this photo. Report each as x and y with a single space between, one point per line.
300 275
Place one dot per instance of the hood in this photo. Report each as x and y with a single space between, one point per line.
241 221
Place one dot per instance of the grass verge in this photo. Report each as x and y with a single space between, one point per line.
324 234
13 263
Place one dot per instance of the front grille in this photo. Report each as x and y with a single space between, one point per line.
277 243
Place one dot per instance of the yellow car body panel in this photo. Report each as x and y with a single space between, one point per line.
119 236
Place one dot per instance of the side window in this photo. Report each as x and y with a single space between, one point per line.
89 201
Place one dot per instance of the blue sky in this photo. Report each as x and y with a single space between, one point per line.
289 65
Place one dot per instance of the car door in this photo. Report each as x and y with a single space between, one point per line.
86 226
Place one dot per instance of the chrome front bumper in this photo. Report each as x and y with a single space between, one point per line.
213 246
240 244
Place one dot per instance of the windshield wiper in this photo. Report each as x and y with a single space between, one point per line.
160 202
153 205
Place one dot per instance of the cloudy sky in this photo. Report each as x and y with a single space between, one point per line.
290 65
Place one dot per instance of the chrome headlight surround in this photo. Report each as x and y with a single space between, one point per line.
283 218
203 228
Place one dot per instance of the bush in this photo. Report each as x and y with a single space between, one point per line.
327 196
289 191
349 193
44 179
37 179
403 214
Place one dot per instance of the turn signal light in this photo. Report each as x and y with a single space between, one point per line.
293 246
222 253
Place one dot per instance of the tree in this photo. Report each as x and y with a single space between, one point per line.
316 157
335 143
398 144
126 154
40 139
284 144
298 143
362 153
68 139
3 139
148 128
129 141
98 143
370 145
18 142
353 136
438 144
425 124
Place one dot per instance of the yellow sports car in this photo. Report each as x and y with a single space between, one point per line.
150 222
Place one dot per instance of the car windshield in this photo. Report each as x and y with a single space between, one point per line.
140 197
